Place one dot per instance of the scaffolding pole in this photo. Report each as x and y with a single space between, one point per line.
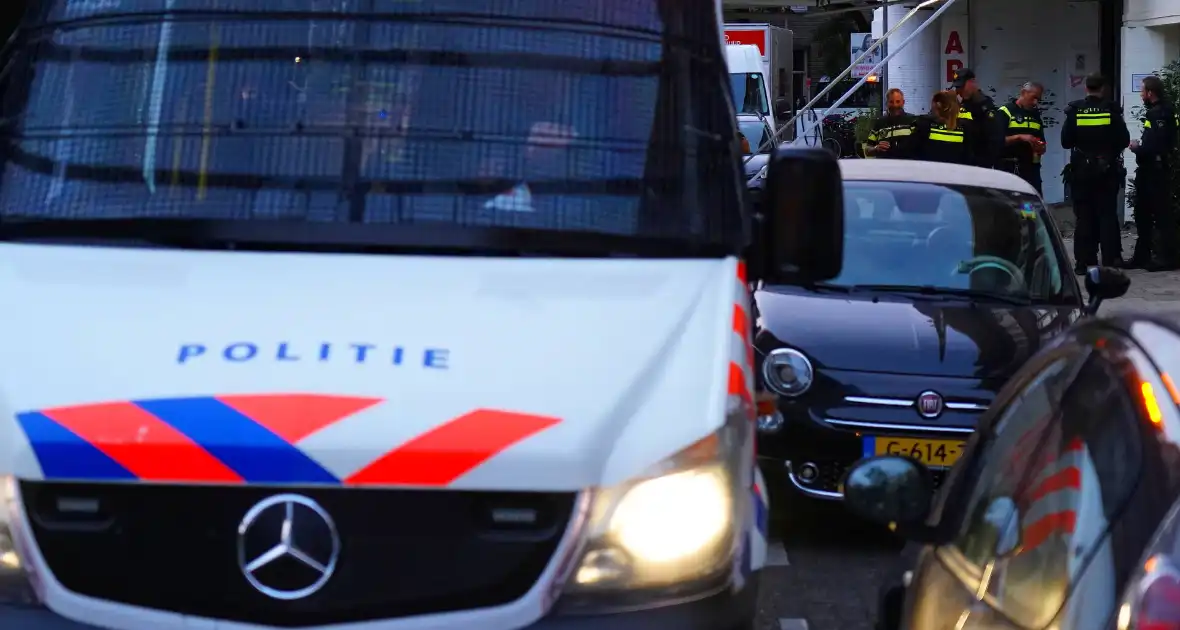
933 18
773 139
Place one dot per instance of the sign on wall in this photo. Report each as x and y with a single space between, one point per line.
954 45
1137 81
859 43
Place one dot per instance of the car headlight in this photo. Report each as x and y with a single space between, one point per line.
15 587
787 372
674 527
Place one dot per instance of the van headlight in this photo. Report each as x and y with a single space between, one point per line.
787 372
15 587
674 527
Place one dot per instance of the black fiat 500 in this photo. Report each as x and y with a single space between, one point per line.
953 277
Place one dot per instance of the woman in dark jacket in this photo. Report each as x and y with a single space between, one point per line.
943 135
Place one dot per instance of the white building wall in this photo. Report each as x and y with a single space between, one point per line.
1053 42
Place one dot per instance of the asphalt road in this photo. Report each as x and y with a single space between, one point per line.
829 576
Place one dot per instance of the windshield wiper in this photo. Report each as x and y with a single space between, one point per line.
935 291
831 288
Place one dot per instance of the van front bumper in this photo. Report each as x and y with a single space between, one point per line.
723 611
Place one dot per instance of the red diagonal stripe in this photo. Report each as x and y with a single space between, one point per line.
1041 529
737 383
296 416
1065 479
741 322
142 443
741 271
443 454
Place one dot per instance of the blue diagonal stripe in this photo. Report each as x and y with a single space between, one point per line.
250 449
761 514
65 455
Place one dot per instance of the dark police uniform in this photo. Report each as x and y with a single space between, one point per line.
896 130
1020 158
980 109
1095 134
1154 217
934 142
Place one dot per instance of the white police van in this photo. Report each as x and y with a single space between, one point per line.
303 333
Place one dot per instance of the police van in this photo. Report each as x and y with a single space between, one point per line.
329 317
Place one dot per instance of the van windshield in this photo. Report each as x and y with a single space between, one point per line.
597 120
749 93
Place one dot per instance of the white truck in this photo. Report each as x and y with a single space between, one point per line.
760 59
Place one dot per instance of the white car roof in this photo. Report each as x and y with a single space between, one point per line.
921 172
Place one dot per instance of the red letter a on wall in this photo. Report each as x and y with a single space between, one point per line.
954 45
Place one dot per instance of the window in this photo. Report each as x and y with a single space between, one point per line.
1017 438
749 93
1065 462
927 235
375 118
865 96
756 132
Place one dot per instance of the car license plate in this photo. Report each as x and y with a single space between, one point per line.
933 453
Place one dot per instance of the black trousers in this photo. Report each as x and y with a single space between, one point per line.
1028 171
1155 219
1095 206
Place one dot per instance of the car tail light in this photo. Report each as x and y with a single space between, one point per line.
1152 598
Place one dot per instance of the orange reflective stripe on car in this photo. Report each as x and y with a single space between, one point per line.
445 453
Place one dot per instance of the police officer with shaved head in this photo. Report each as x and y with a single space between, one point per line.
980 109
891 132
1095 134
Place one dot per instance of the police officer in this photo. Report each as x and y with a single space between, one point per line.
980 109
1024 135
890 132
1095 134
944 134
1156 248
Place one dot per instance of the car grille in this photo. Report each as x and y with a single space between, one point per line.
403 552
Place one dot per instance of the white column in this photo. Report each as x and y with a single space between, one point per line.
915 69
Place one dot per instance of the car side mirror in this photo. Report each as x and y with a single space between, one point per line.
798 235
782 109
1105 283
889 490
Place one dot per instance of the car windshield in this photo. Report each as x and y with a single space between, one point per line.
951 239
749 93
581 116
755 132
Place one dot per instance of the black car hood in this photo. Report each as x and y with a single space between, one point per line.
899 336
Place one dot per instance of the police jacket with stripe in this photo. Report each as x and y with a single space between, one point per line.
896 130
1160 123
988 138
934 141
1094 127
1017 121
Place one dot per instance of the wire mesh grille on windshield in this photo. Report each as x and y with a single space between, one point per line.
578 115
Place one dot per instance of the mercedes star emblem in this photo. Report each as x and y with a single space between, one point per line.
287 547
930 404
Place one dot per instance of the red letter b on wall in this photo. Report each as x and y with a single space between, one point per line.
952 66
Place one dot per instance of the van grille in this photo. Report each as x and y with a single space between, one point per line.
403 552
